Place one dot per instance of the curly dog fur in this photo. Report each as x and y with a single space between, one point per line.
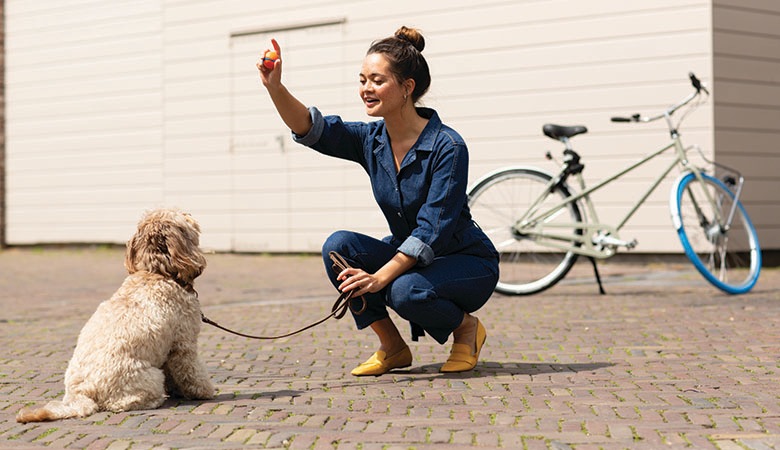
141 344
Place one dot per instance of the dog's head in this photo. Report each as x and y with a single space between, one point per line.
166 243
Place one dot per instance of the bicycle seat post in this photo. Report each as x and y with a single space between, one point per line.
566 142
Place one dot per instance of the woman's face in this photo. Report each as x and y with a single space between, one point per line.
379 89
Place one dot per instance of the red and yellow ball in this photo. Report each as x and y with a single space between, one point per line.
269 59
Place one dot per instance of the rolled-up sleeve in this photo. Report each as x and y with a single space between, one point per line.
418 250
314 134
331 136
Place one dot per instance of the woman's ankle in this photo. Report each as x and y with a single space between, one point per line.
390 340
468 323
466 333
391 348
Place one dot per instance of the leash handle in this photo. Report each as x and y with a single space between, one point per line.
339 265
338 310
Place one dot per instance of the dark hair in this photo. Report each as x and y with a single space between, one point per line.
403 51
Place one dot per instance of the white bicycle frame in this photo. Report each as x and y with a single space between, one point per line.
600 240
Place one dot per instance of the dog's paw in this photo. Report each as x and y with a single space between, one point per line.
208 393
204 391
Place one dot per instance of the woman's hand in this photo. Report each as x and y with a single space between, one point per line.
294 113
359 281
362 282
272 78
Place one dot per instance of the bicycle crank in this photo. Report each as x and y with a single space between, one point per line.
605 240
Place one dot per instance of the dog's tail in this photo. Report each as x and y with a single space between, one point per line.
76 406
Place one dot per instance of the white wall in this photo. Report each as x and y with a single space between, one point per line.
84 122
105 120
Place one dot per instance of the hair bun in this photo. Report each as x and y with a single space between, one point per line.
412 36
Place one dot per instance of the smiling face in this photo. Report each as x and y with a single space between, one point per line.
379 88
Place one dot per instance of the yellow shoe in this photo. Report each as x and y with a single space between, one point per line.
379 363
461 359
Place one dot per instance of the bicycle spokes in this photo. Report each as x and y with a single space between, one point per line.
716 233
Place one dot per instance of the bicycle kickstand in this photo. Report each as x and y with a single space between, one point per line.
598 277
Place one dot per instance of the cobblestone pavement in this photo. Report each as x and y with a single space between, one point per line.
662 360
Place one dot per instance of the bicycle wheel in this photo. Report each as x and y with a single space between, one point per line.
729 258
527 265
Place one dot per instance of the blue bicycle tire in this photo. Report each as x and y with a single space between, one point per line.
712 257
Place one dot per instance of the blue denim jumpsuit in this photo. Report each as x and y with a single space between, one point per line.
426 209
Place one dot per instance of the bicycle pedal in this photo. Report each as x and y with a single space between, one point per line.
609 241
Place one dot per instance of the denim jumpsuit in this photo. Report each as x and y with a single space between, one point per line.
426 209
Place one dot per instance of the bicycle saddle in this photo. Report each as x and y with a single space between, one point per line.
560 131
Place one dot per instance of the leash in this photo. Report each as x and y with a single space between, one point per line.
339 309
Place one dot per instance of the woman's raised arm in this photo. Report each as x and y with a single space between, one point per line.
294 113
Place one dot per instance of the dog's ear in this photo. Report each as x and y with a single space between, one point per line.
131 249
187 260
166 243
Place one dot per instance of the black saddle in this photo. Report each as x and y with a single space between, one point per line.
559 131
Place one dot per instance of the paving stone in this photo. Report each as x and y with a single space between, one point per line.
662 360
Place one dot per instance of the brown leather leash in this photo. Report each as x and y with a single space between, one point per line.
339 309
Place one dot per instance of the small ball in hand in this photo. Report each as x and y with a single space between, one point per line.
269 59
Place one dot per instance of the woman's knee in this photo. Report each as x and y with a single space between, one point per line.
338 241
406 295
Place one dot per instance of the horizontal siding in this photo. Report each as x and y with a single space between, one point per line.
746 37
83 121
533 62
158 102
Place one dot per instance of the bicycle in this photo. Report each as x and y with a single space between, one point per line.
540 225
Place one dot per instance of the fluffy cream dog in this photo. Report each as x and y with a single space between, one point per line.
141 344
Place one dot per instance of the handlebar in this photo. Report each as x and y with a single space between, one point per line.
697 85
634 118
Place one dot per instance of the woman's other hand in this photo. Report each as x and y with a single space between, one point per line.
363 283
359 282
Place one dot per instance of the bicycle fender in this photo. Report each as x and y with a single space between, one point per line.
676 219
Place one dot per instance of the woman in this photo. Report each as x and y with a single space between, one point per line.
437 267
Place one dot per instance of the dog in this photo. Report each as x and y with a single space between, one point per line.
140 346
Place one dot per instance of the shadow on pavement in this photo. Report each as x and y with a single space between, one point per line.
518 369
